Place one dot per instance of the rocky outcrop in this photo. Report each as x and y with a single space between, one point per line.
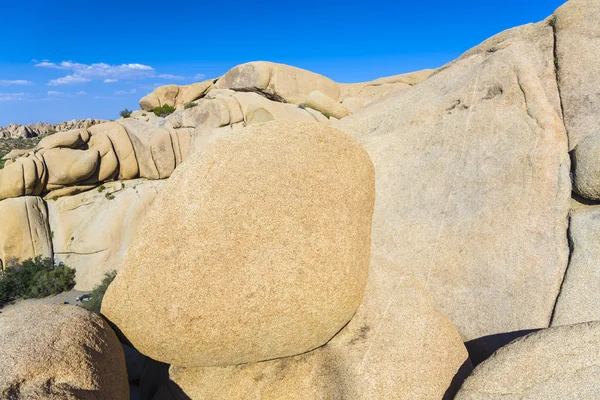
270 228
473 183
579 299
397 346
555 363
92 231
59 352
578 70
279 82
175 96
42 128
326 105
24 230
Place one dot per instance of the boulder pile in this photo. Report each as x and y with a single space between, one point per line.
282 235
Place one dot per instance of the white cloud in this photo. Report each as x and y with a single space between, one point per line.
80 73
81 93
55 93
68 80
199 77
5 97
124 92
111 80
172 77
21 82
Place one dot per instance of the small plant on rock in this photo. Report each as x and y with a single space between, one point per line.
189 105
164 110
125 113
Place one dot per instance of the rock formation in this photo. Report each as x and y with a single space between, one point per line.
59 352
93 230
42 128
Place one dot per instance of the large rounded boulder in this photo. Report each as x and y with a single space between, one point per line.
59 352
257 248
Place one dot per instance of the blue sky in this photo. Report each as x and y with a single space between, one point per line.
67 59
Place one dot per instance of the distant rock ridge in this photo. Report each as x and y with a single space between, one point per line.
13 130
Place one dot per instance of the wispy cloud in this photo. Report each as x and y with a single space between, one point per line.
199 77
111 80
5 97
68 80
81 93
124 92
20 82
171 77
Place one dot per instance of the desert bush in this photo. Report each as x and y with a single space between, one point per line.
189 105
97 294
34 278
164 110
125 113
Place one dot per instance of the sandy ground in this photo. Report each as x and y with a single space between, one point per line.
58 299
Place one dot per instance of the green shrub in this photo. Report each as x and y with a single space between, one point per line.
125 113
101 188
144 114
189 105
97 294
34 278
164 110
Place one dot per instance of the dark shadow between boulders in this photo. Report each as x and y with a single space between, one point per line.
482 348
463 372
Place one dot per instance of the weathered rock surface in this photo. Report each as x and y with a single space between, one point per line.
555 363
128 166
579 299
59 352
24 230
278 81
368 92
586 166
92 231
397 346
153 148
269 230
326 105
577 46
473 183
24 177
69 166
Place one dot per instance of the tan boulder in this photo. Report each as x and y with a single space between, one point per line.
279 81
270 228
192 92
23 177
153 148
24 230
128 166
70 139
92 231
326 105
579 299
175 96
68 166
109 163
15 153
554 363
60 352
397 346
577 46
353 104
62 191
473 187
